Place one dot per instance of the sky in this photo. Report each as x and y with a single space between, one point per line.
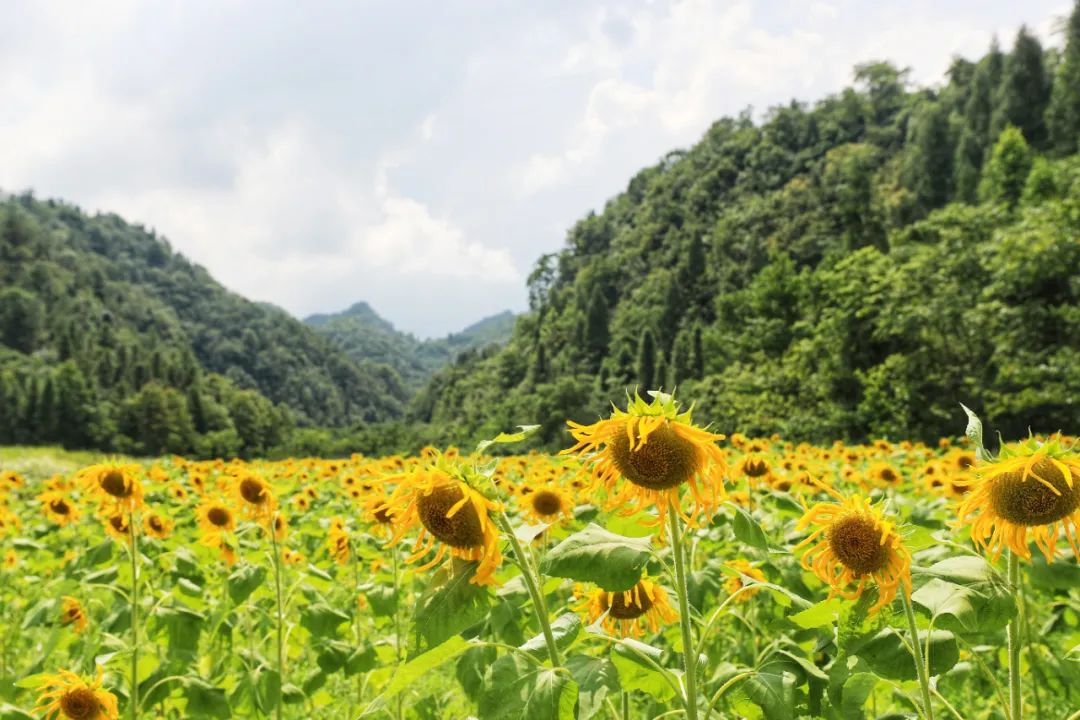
419 156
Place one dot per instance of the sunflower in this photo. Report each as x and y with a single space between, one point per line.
547 504
644 604
66 695
1032 486
117 526
216 520
735 583
449 510
59 508
657 450
116 486
337 541
856 544
72 613
292 557
884 474
376 512
255 496
157 526
11 560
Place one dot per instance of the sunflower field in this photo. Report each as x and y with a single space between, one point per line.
653 569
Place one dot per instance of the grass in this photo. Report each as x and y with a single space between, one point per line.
38 462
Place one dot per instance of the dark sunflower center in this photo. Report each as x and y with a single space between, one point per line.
1030 502
887 475
155 524
252 491
383 516
461 531
856 541
59 507
218 516
119 523
965 461
114 483
638 604
755 467
664 461
545 502
80 704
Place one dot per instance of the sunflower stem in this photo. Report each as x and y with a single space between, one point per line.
397 628
134 531
1016 704
625 705
916 649
533 586
689 651
280 614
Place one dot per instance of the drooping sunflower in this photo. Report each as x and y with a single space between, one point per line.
59 508
157 526
337 541
72 613
255 497
657 450
1033 486
449 511
66 695
734 583
116 486
118 526
855 544
626 612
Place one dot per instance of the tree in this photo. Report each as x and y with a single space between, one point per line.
646 360
932 155
1063 115
22 319
1008 168
597 335
1024 92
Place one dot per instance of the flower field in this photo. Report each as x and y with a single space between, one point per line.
655 568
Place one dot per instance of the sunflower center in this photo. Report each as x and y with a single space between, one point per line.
59 507
545 502
80 704
156 524
621 608
218 516
888 475
1030 502
755 467
383 516
113 482
252 490
119 523
461 531
665 461
856 541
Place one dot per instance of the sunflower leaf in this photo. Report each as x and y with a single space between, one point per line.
595 555
526 431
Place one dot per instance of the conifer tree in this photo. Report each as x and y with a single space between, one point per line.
1063 115
932 157
1024 92
646 360
1007 171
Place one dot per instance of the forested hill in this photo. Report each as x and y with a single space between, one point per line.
108 338
850 269
367 337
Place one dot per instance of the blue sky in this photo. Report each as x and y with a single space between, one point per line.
416 155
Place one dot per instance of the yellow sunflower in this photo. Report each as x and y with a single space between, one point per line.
157 526
448 510
625 612
72 613
59 508
216 520
884 474
118 527
856 543
292 557
66 695
11 560
1033 486
735 583
337 541
657 450
116 486
376 512
548 504
255 497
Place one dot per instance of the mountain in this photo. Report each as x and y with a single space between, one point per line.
109 338
367 338
852 269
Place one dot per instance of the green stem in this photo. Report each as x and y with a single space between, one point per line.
625 705
534 590
689 652
725 687
398 709
1016 705
280 620
133 529
916 649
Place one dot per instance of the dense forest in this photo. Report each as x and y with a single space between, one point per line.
853 269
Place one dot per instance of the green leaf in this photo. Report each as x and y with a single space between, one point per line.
857 690
449 605
596 678
184 626
984 607
748 530
774 693
382 598
974 431
889 657
565 629
205 701
636 673
526 431
421 665
321 620
820 614
516 689
614 562
244 580
333 656
362 659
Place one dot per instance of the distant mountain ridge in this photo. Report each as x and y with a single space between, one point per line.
367 337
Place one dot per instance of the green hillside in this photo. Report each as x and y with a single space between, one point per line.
110 339
850 269
366 337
